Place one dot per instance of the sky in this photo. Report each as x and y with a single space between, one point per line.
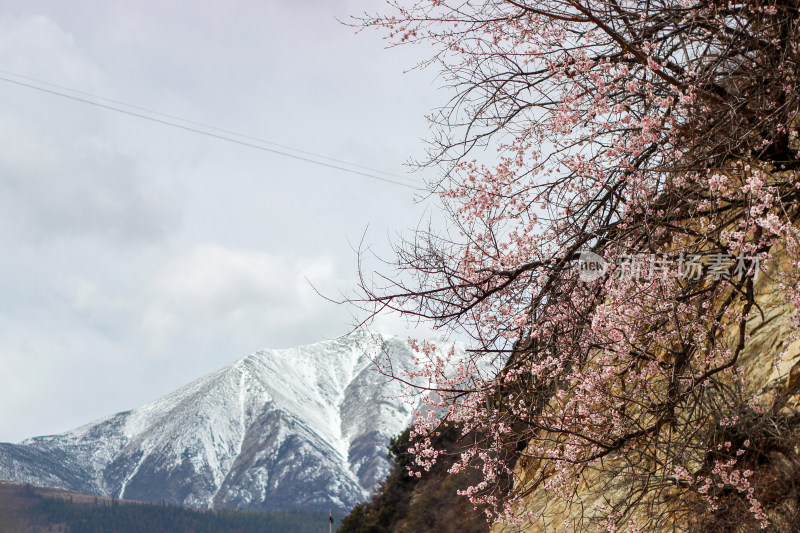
138 256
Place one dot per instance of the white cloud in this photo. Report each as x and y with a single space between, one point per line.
60 170
33 45
248 297
110 294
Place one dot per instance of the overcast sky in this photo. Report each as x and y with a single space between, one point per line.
137 256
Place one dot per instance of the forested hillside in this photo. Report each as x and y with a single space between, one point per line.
27 509
420 504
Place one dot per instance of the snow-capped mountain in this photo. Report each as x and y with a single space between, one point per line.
305 427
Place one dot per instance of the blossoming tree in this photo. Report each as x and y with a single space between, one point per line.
662 137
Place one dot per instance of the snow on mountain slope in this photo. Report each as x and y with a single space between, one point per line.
305 427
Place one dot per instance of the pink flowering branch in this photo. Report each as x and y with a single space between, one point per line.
661 137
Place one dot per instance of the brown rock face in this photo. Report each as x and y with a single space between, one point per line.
770 361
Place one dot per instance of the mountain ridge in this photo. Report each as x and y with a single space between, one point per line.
303 427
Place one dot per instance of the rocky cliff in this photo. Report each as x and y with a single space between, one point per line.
768 421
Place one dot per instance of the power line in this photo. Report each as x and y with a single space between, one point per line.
206 126
222 135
